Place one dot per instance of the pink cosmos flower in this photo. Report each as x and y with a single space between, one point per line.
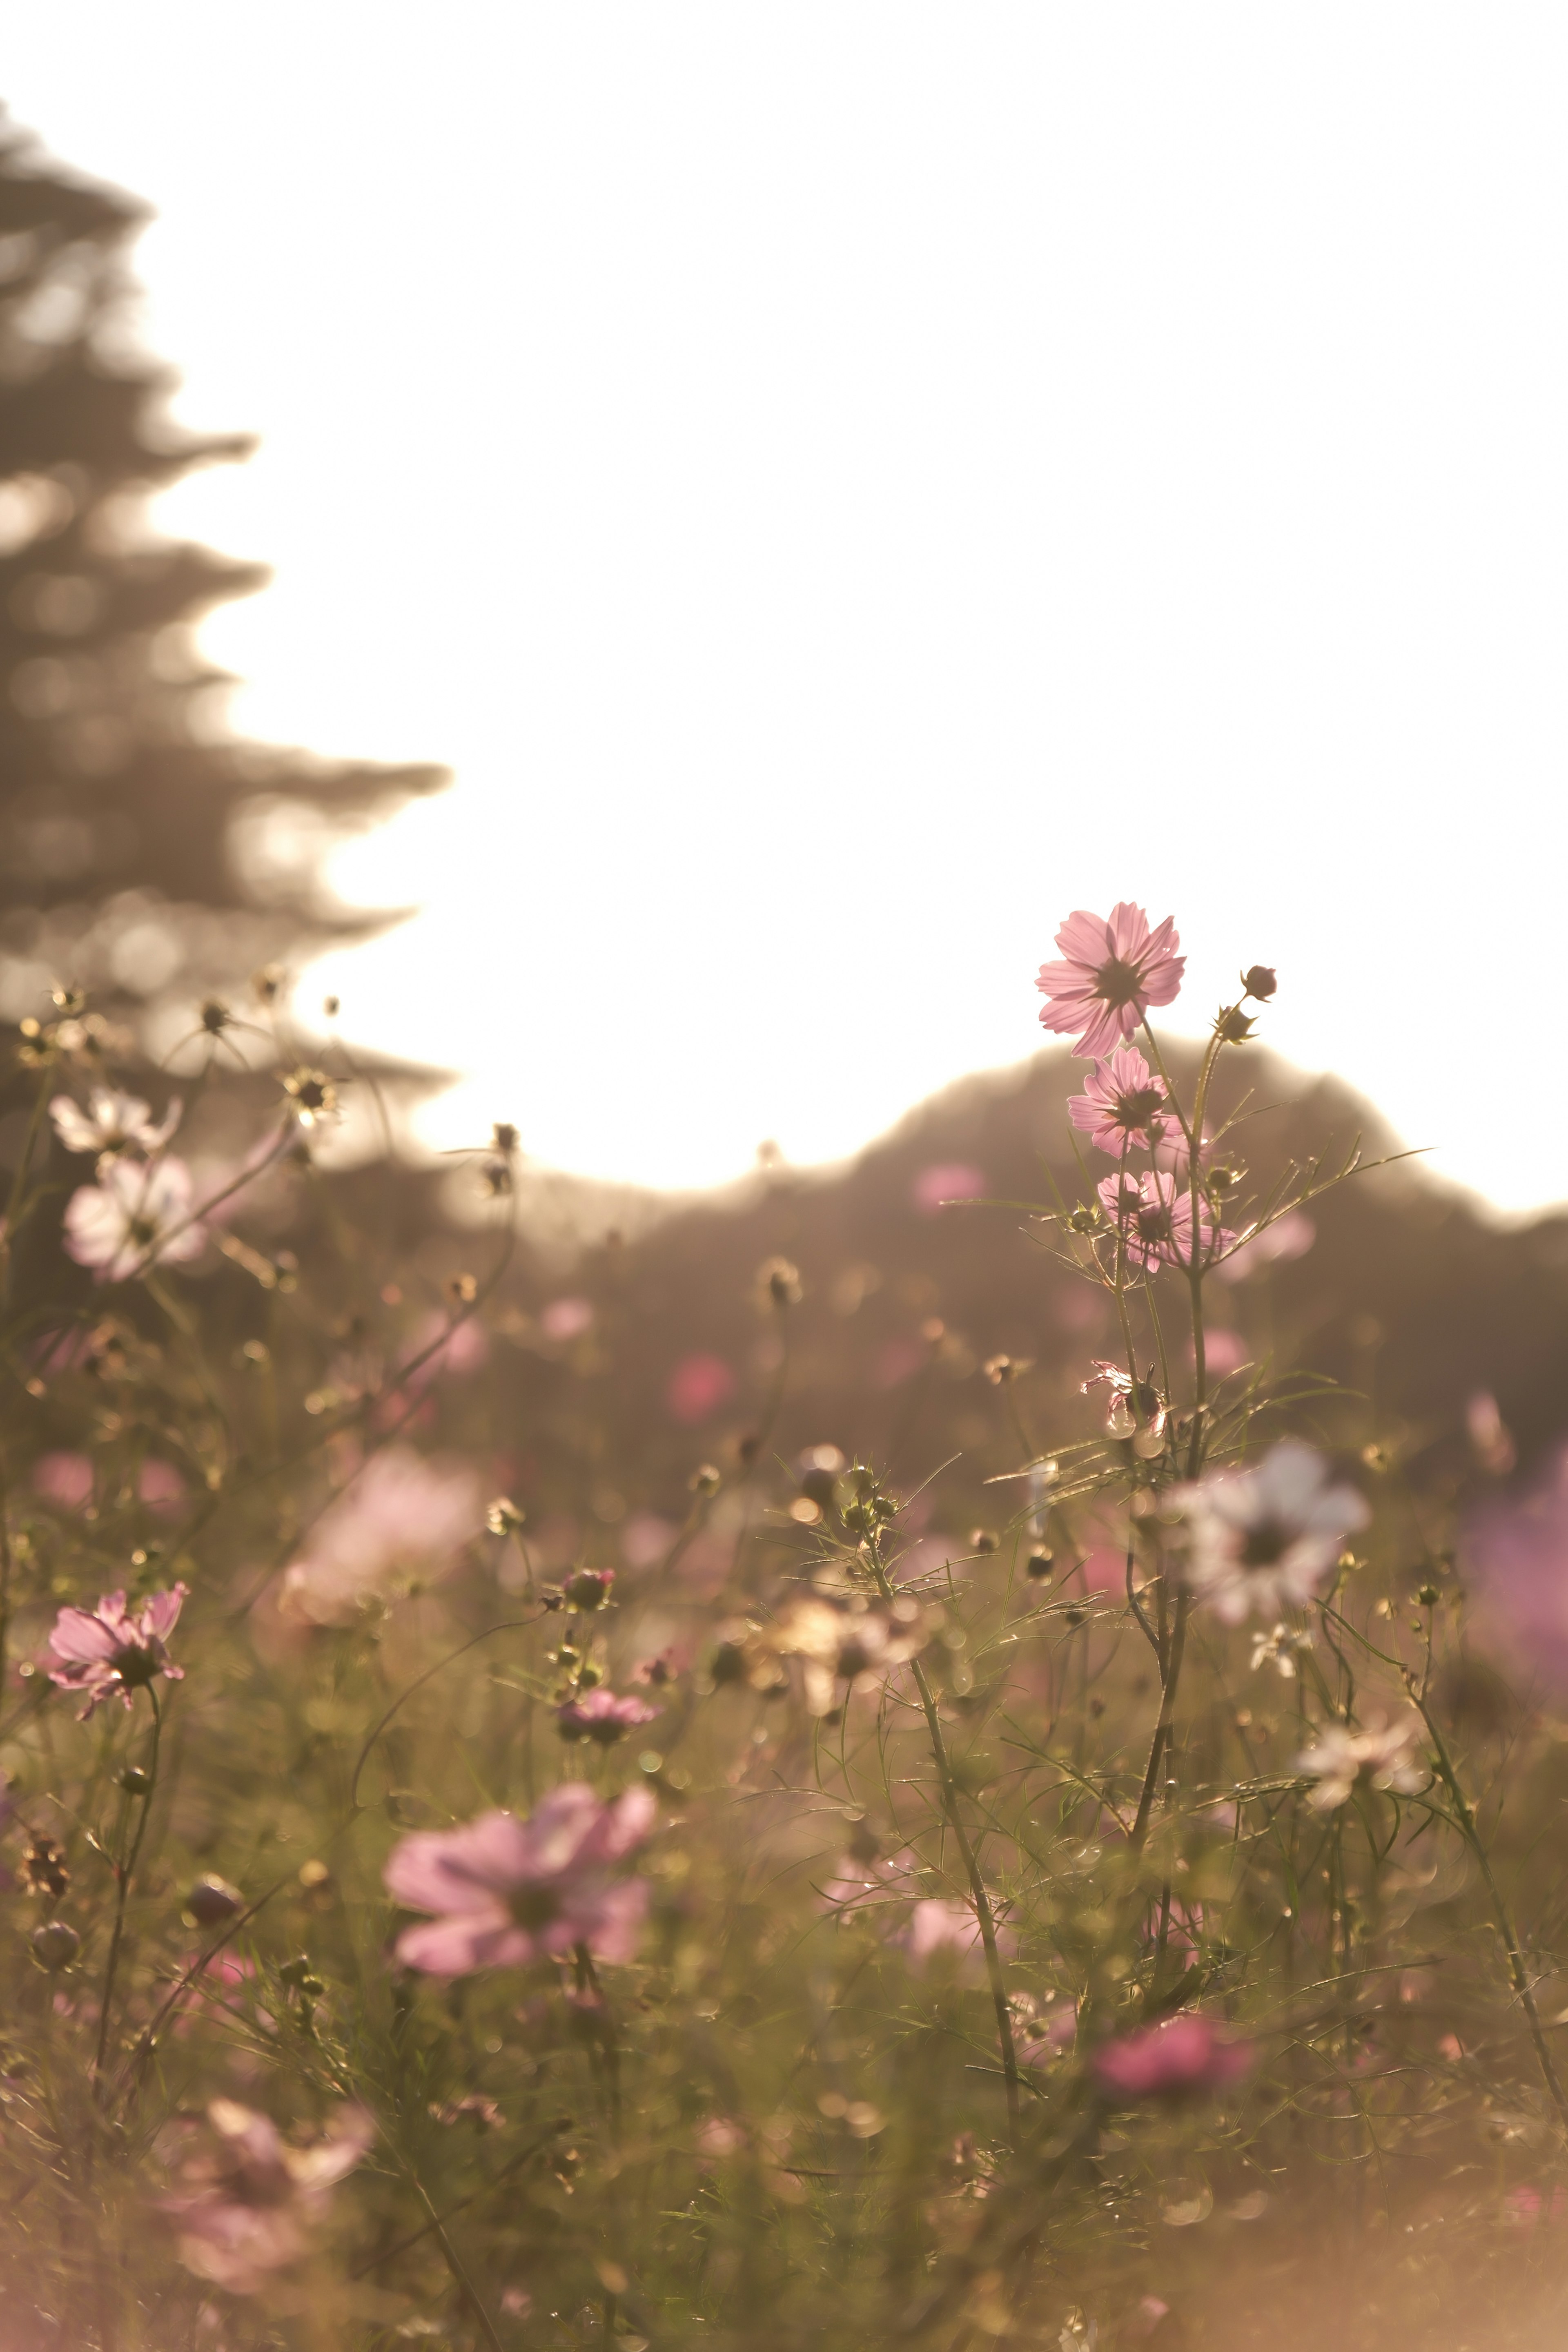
109 1651
64 1480
566 1318
249 2199
1514 1549
507 1891
1122 1104
111 1121
134 1217
1154 1212
602 1717
1290 1235
1113 970
698 1386
950 1181
1388 1755
1181 2056
1492 1440
1260 1540
937 1929
402 1516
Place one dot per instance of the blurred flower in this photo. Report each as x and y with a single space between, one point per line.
858 1646
313 1096
108 1652
1120 1103
1224 1351
402 1516
440 1348
1043 2035
953 1179
602 1717
937 1927
645 1537
1153 1212
566 1318
159 1486
64 1480
1264 1539
1260 980
111 1121
1290 1235
1514 1548
1388 1755
250 2198
1128 1408
697 1387
1180 2056
1280 1650
1492 1440
1114 970
507 1891
134 1217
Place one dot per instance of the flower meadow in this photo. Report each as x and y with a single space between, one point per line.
757 1918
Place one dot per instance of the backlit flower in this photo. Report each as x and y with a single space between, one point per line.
846 1649
1387 1755
1122 1104
134 1217
111 1652
602 1717
1153 1214
1113 971
507 1891
249 2199
1181 2056
1260 1540
111 1121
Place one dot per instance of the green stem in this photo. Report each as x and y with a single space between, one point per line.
1518 1974
125 1871
979 1894
19 1183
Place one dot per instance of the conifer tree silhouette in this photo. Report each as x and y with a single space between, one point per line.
125 807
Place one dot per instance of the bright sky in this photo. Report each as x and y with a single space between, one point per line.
845 485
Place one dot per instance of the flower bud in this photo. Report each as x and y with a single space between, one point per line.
505 1138
588 1588
1260 981
705 1479
212 1901
55 1945
135 1782
1086 1219
981 1539
1231 1026
503 1518
1039 1566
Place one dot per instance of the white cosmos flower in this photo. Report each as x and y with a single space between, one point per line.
111 1121
134 1217
1385 1754
1262 1540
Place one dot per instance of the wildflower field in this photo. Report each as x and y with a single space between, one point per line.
477 1875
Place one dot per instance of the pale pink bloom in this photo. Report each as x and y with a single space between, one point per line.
1154 1214
602 1717
1224 1351
1492 1440
953 1179
64 1480
645 1537
1260 1540
1290 1235
159 1486
134 1217
846 1649
402 1516
938 1928
111 1121
110 1651
719 2136
1113 970
1514 1550
507 1891
567 1319
442 1348
251 2198
697 1387
1121 1105
1181 2056
1387 1755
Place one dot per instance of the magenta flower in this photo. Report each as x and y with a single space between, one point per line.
1180 2057
249 2200
1122 1104
602 1717
1113 970
109 1651
132 1218
697 1387
1153 1214
507 1891
1514 1548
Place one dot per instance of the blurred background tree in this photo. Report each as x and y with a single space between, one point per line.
145 853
